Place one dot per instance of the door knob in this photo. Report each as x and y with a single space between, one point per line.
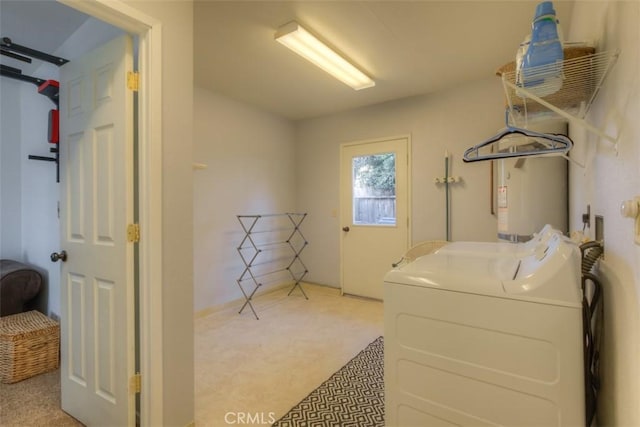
345 228
62 256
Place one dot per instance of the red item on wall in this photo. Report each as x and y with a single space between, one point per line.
54 126
49 88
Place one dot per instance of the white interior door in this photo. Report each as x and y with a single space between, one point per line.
97 286
374 212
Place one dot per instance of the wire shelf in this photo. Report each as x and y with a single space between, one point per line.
566 89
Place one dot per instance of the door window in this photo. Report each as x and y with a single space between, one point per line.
374 189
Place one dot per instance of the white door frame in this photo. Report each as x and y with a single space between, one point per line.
149 166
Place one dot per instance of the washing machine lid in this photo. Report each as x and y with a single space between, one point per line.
458 271
490 249
547 273
482 248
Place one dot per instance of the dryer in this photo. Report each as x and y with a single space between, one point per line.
486 334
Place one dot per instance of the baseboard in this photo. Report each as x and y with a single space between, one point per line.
238 301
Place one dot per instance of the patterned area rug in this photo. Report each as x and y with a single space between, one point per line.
353 396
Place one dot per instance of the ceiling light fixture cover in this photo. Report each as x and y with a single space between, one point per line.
296 38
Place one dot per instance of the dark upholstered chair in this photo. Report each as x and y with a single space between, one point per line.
19 284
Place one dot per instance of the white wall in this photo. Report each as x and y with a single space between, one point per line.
453 120
611 176
40 224
251 170
10 176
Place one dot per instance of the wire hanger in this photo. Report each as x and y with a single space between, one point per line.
537 144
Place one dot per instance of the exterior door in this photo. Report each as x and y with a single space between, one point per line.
97 282
374 212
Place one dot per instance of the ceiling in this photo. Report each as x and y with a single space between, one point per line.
20 21
408 47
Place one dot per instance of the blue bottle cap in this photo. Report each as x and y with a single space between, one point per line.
544 8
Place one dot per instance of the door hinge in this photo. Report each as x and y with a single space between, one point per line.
133 233
133 80
135 383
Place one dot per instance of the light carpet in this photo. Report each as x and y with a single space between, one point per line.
34 402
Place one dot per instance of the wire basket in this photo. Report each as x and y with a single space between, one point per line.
579 78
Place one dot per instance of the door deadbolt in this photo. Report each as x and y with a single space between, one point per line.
62 256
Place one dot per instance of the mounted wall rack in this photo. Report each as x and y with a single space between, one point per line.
569 92
48 88
270 249
24 54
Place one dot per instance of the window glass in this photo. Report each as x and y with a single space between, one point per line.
374 189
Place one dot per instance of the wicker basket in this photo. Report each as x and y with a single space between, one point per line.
29 345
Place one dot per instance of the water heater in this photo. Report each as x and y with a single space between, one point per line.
531 191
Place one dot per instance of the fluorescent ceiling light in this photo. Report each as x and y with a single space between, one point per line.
296 38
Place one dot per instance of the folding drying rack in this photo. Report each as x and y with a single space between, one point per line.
271 245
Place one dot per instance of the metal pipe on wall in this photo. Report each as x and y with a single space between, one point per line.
446 184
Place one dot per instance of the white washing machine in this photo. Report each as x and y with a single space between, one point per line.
486 334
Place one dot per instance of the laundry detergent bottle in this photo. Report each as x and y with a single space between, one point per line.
542 62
